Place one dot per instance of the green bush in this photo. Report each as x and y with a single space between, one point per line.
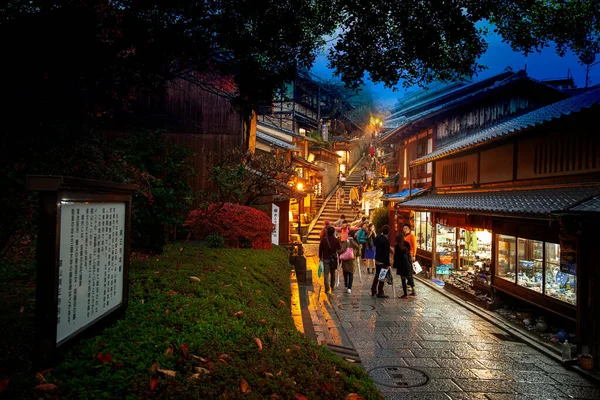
379 218
215 241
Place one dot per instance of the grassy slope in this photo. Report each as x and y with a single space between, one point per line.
168 312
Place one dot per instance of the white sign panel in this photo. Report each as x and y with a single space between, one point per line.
90 275
275 220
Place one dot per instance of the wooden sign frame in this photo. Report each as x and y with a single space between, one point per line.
54 192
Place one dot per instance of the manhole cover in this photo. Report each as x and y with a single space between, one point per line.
398 377
355 307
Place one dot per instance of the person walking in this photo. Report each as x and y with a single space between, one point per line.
324 230
361 238
382 261
370 251
339 198
354 198
349 265
403 265
412 241
328 249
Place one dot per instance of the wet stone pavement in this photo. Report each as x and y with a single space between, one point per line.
429 347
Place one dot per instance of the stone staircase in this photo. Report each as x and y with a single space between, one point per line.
330 213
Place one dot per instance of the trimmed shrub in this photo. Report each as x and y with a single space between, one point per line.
239 226
215 241
379 217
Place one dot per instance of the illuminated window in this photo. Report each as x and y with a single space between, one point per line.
302 131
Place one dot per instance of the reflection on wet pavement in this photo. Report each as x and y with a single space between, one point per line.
400 341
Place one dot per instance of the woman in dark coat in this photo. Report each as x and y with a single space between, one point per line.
403 264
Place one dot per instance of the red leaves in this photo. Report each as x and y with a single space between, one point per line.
153 383
300 397
104 358
184 349
239 225
46 387
4 384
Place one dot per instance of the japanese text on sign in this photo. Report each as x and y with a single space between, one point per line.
90 275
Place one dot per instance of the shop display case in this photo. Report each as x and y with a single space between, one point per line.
534 265
423 231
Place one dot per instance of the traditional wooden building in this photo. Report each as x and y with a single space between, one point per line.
450 114
512 209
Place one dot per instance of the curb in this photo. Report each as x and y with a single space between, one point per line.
525 337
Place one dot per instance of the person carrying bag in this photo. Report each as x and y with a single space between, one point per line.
328 248
403 264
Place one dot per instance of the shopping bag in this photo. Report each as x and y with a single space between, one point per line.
320 270
417 267
383 274
348 254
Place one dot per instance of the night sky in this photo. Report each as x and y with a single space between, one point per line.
543 65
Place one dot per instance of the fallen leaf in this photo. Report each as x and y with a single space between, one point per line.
296 347
227 285
241 285
354 396
169 352
225 356
195 278
154 367
269 375
300 397
281 303
167 372
173 292
40 378
337 373
4 384
258 292
104 358
46 387
184 349
244 386
22 309
239 314
350 360
201 370
223 361
288 351
153 383
200 358
263 321
245 268
258 343
279 373
142 301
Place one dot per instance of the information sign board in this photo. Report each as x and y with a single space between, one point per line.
275 220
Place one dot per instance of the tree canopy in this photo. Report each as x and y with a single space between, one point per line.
70 59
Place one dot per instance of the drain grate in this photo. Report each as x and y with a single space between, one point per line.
397 376
356 307
505 337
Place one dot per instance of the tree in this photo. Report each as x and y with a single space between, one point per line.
420 41
80 60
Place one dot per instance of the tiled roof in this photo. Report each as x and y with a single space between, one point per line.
517 124
461 100
517 202
261 124
276 142
592 205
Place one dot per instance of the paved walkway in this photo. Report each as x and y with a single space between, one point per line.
429 347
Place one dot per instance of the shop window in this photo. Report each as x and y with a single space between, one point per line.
475 250
506 255
530 264
445 245
537 267
423 230
558 284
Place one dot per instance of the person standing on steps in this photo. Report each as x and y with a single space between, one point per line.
339 198
328 254
361 238
340 221
403 264
354 198
382 261
349 265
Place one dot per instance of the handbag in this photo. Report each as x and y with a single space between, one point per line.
382 274
348 254
417 267
320 270
389 278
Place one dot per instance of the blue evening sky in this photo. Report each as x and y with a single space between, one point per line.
499 55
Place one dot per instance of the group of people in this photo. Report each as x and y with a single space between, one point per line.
373 249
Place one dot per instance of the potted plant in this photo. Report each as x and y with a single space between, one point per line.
586 361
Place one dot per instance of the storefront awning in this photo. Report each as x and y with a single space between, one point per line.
533 202
400 196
